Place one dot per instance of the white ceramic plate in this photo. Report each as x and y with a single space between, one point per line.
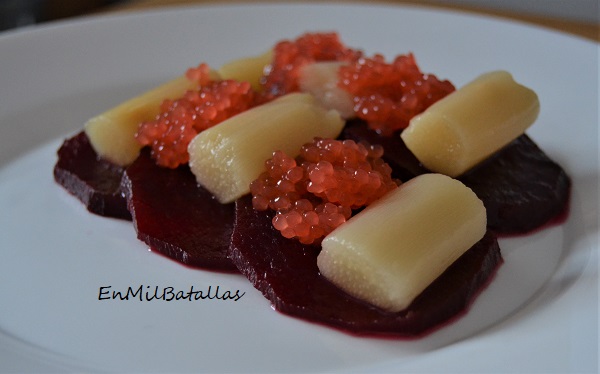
540 313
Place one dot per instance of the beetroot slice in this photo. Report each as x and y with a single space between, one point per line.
520 186
177 217
94 181
286 272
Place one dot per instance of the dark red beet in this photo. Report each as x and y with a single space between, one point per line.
286 272
176 217
94 181
520 186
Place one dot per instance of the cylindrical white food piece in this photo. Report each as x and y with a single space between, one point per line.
320 79
226 158
467 126
248 69
112 133
390 252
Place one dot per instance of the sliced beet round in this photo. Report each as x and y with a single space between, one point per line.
177 217
286 272
520 186
94 181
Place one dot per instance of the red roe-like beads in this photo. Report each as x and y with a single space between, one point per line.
388 95
199 74
289 56
315 193
182 119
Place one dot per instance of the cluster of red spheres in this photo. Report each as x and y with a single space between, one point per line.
388 95
180 120
317 191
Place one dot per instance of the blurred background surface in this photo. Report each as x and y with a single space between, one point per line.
576 16
19 13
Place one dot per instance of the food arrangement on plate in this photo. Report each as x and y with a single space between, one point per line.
351 191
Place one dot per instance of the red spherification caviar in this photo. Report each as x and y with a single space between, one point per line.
182 119
316 192
388 95
281 76
200 74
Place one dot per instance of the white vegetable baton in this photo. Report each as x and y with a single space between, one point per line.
320 79
472 123
112 133
226 158
390 252
249 69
